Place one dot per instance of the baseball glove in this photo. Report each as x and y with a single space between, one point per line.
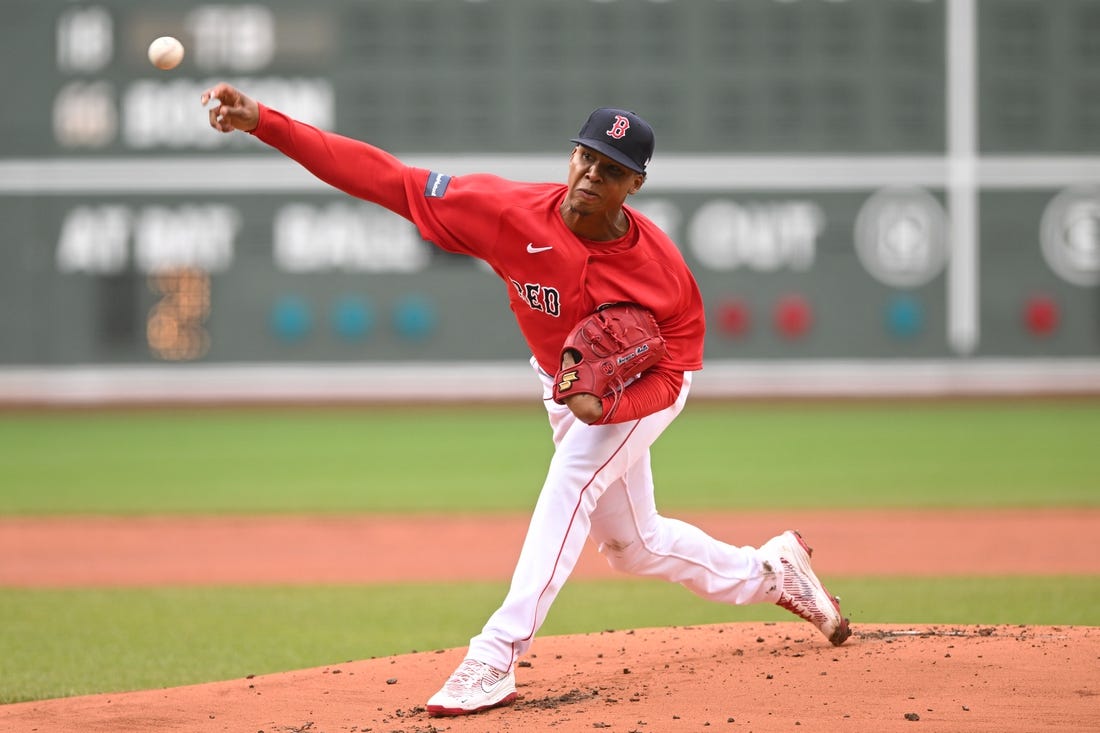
609 347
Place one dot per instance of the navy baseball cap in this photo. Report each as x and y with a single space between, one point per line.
620 135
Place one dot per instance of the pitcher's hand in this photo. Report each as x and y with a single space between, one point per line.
587 407
232 110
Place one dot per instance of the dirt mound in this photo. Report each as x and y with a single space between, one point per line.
737 677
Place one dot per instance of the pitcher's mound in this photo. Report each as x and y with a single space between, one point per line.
729 677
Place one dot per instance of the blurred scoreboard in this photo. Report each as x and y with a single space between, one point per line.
849 179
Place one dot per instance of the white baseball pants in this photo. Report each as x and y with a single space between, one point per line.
599 485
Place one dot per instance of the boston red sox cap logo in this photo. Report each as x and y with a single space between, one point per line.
620 135
618 130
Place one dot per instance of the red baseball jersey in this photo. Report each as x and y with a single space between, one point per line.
555 278
552 276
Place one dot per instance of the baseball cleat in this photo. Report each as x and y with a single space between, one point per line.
474 686
801 592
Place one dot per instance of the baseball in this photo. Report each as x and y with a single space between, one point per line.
166 52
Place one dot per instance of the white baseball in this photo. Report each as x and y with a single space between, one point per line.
166 52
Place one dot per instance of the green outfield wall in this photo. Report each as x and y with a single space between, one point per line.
883 181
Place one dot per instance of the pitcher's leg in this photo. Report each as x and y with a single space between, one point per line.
585 461
636 539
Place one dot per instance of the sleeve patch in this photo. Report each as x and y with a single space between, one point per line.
436 185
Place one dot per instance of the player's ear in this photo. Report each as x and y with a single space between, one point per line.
639 179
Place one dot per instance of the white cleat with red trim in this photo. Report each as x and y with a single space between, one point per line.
801 592
474 686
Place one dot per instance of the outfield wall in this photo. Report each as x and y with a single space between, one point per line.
496 381
875 195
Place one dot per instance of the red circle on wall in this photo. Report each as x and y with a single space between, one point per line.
793 316
734 317
1041 315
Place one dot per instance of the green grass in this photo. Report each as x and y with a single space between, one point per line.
904 454
213 461
865 455
66 642
57 643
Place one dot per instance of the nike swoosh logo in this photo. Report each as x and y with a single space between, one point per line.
491 687
535 250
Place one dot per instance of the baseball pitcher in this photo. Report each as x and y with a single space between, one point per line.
614 321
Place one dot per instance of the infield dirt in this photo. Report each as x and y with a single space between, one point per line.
736 677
